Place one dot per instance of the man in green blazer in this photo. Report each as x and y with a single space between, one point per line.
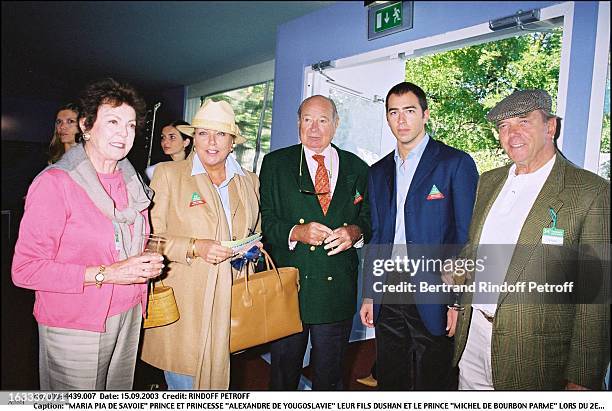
314 212
544 213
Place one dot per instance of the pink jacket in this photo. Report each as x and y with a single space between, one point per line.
61 233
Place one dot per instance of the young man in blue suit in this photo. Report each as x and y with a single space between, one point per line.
422 193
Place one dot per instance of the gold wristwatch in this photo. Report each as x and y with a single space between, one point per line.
100 276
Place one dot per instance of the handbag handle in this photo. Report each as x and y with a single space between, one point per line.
151 289
154 281
269 263
152 286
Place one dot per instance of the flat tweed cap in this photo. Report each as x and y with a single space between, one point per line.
519 103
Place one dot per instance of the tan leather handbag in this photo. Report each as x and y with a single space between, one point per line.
265 306
161 309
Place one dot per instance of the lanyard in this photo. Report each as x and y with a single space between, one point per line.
553 215
330 172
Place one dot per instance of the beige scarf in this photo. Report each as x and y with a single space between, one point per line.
78 166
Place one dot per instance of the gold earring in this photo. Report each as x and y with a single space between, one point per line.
86 136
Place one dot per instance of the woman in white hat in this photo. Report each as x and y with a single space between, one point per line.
198 203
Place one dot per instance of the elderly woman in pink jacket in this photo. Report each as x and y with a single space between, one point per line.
80 248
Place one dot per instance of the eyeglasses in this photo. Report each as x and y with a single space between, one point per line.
304 191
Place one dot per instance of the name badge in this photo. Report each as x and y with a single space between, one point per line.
552 236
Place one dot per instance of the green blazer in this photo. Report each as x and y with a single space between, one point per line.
543 346
328 284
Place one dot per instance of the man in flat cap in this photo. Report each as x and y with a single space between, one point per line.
541 212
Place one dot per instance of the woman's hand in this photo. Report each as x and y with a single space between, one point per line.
212 251
134 270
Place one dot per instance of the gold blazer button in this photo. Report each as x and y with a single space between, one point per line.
312 248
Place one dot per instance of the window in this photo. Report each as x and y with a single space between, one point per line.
253 108
463 73
464 84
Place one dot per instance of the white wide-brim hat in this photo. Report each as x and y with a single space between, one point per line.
215 115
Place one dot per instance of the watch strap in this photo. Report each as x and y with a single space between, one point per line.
101 270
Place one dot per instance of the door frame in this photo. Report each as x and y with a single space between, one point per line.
469 36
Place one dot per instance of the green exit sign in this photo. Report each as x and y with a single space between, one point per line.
388 17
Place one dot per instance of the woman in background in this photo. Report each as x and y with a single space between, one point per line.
65 132
80 247
175 144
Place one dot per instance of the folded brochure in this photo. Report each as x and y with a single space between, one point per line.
243 244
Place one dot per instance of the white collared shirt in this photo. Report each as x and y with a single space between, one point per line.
332 162
231 168
504 223
404 173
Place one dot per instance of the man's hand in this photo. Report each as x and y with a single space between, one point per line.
570 386
342 238
451 322
455 274
311 233
447 276
366 313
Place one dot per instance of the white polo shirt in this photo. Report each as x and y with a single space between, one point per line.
503 225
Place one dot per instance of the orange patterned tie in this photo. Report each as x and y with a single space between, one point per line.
322 183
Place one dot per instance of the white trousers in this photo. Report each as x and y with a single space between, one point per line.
475 364
87 360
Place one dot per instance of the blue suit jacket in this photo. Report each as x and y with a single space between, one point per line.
437 221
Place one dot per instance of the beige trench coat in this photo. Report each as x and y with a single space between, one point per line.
198 343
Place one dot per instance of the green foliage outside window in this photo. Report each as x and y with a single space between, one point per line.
463 85
248 103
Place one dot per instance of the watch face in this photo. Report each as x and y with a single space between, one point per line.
99 277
